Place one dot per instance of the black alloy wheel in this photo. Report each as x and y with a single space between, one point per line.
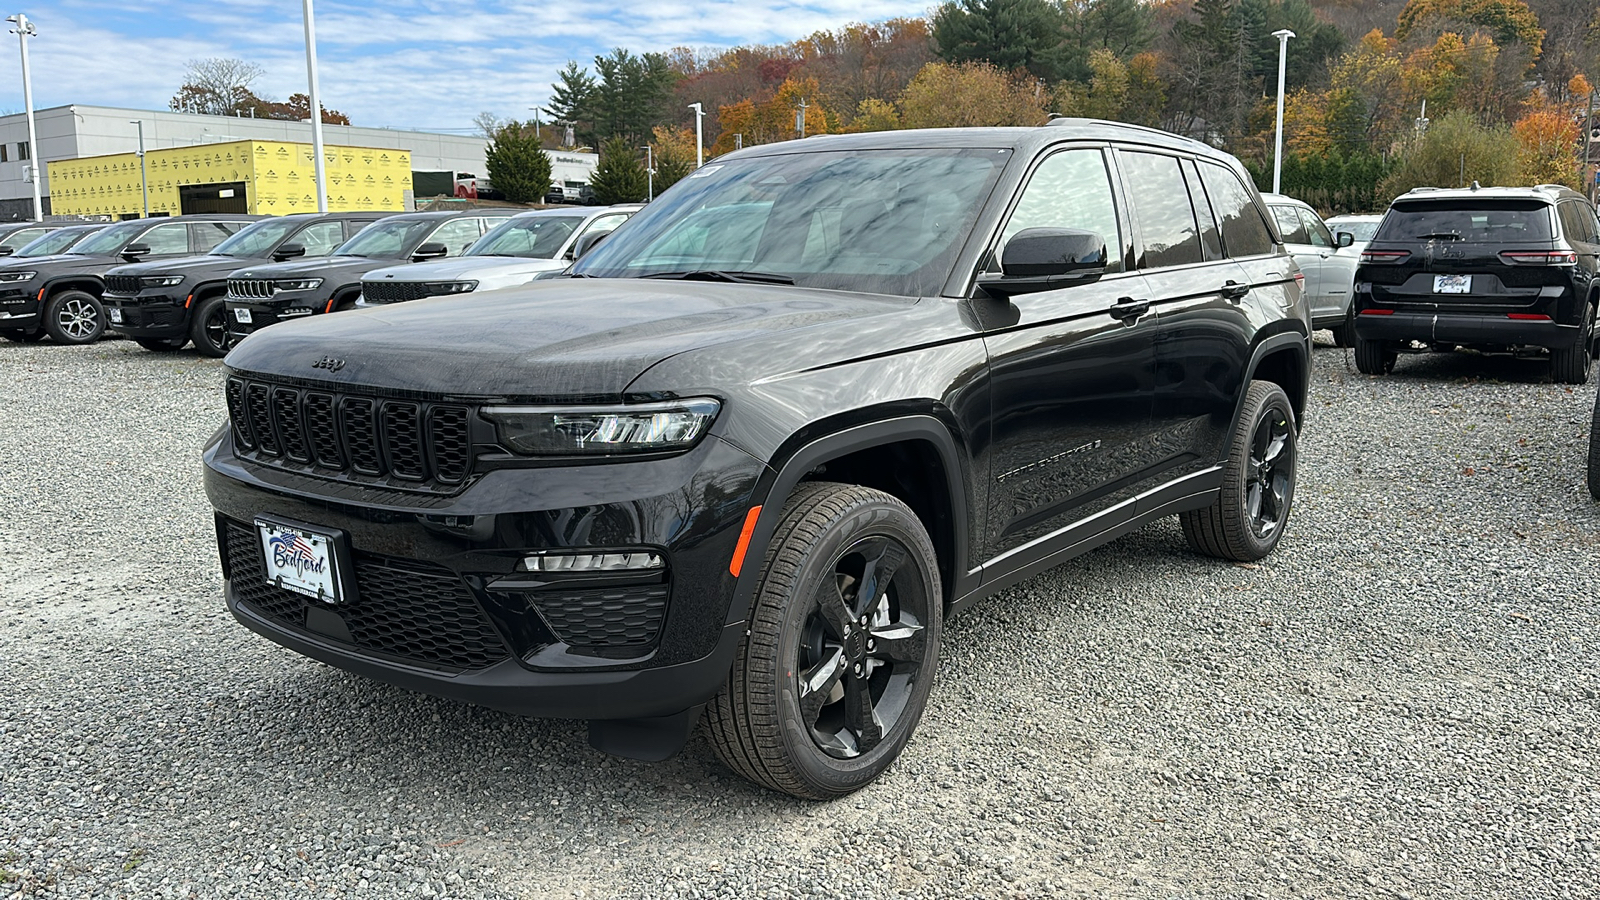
835 670
74 317
209 327
1252 511
161 345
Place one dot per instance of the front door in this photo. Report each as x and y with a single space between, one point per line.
1071 375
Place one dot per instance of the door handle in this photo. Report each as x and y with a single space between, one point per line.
1129 309
1233 290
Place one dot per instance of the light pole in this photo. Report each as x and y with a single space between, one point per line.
23 31
536 136
699 145
1283 35
650 171
800 118
144 183
316 109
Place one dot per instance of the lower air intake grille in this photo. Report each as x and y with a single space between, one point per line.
604 617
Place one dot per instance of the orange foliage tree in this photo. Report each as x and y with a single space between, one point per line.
1547 148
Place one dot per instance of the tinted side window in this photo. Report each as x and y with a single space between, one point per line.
1244 232
166 240
319 238
1210 235
456 235
208 235
1289 225
1320 236
1071 189
1161 207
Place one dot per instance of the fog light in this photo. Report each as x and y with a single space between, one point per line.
592 562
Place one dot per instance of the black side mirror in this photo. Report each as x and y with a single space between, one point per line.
132 252
289 251
1345 238
586 243
1043 259
7 251
430 250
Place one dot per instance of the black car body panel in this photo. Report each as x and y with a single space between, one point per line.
163 311
1023 429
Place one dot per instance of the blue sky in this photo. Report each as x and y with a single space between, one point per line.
402 63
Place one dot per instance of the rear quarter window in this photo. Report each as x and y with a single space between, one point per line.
1483 222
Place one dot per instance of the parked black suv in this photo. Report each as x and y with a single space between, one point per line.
768 435
1494 269
61 294
164 304
262 295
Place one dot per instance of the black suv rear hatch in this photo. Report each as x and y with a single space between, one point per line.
1462 255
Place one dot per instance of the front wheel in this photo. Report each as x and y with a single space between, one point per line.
1374 357
1249 516
209 327
74 317
837 663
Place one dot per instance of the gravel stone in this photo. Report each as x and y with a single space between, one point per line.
1399 703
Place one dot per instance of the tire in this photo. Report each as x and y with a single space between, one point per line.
1571 365
1374 357
822 745
74 317
161 345
208 328
1594 451
1249 516
1344 333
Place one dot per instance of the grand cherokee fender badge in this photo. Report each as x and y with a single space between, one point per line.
329 363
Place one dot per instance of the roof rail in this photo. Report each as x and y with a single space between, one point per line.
1057 119
1553 186
1419 190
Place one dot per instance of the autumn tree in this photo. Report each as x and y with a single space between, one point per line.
1547 148
963 95
217 86
1455 151
518 167
1507 21
674 155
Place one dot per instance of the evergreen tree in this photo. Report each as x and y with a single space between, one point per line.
672 166
631 96
1008 34
517 167
620 176
571 102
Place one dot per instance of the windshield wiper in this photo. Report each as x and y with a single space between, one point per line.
1439 236
726 275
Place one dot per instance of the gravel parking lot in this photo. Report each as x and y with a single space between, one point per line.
1400 703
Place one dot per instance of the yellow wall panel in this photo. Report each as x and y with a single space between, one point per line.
279 178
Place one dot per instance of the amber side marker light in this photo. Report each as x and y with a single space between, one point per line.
744 541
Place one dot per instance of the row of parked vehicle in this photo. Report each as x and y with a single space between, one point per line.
212 279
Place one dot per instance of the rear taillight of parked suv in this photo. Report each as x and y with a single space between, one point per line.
1385 256
1539 257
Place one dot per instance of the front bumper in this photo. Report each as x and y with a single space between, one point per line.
1494 329
147 315
20 308
263 313
436 604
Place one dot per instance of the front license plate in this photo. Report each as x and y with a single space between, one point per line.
243 315
300 560
114 314
1452 284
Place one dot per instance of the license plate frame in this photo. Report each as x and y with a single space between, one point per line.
242 316
114 314
1452 284
309 560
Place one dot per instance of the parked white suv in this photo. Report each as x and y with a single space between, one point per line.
520 249
1327 261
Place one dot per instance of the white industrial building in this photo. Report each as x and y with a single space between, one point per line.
76 131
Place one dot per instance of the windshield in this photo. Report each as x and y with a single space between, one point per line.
55 242
535 237
257 239
388 239
1360 230
1476 221
882 221
109 241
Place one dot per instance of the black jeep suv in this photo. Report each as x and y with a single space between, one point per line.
746 459
164 304
262 295
61 294
1493 269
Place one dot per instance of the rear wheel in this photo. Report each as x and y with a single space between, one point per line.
161 345
1570 365
835 669
1249 516
209 327
1374 357
74 317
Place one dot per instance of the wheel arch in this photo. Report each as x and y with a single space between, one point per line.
914 458
1284 360
89 284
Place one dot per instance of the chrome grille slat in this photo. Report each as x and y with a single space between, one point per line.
250 288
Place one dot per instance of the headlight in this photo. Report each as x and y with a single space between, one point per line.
451 287
160 281
14 277
302 284
631 428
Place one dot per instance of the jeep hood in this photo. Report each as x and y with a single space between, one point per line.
347 267
566 339
465 267
187 265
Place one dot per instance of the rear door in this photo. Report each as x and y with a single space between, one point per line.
1337 277
1298 239
1454 264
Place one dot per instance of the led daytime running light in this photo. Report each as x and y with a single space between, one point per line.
14 277
592 562
629 428
160 280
